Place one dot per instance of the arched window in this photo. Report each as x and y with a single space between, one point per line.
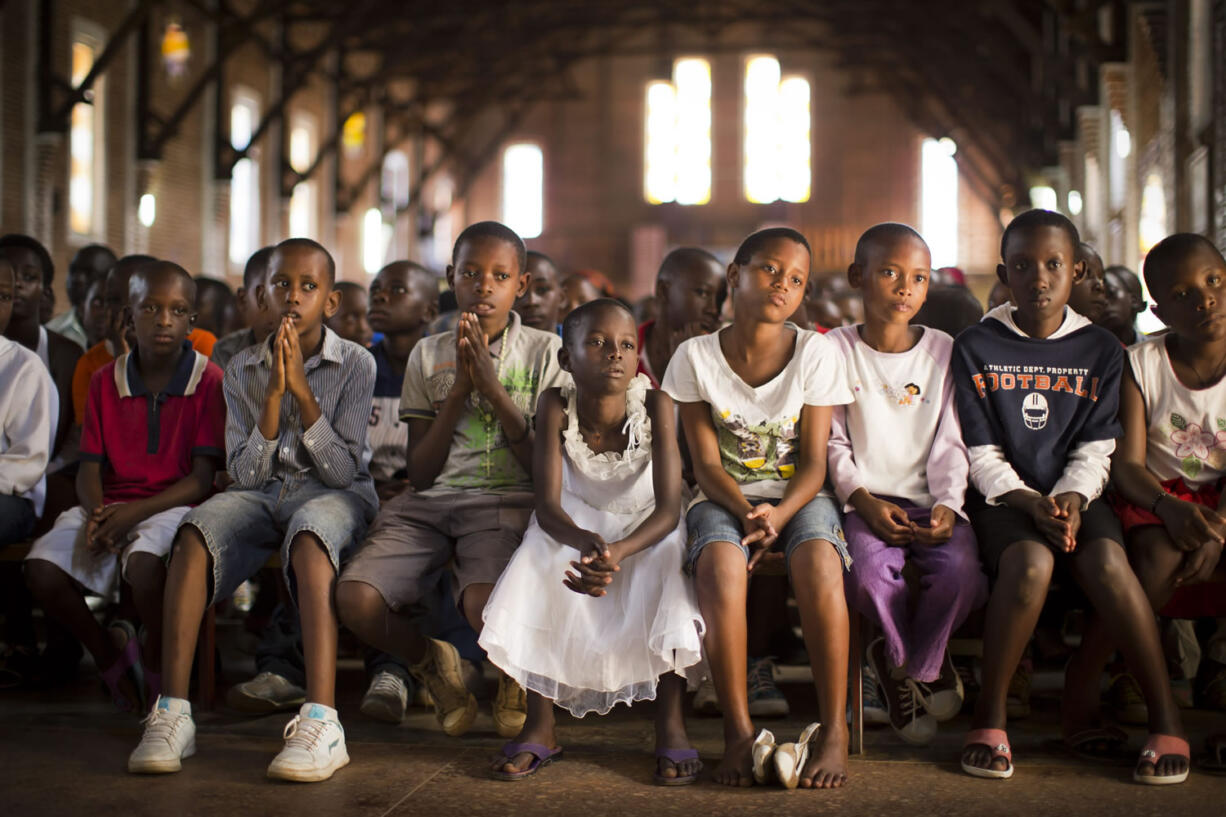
523 189
677 133
394 184
776 139
244 178
939 200
303 202
86 140
375 236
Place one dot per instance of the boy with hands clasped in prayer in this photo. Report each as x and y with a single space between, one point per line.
298 407
469 397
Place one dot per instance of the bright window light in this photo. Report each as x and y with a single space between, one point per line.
375 238
441 237
1117 164
1044 197
1074 202
147 210
523 189
1152 227
85 146
659 172
692 78
302 204
776 134
394 183
677 164
939 200
244 180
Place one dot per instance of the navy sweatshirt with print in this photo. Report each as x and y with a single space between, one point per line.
1037 399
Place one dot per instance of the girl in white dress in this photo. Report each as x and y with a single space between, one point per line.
593 609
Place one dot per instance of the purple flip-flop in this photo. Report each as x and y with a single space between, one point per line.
542 756
676 757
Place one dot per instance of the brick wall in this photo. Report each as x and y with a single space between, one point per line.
864 162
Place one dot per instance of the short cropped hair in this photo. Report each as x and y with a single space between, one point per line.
25 242
950 309
684 257
206 284
755 242
257 266
348 286
579 315
290 244
147 273
1166 254
886 231
1031 219
496 230
535 255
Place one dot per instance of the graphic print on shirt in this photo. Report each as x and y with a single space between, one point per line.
481 428
907 395
1034 411
998 377
753 452
1197 447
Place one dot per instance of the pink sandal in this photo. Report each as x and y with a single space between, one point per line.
1157 747
128 657
998 741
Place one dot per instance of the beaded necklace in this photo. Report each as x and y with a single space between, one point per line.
489 420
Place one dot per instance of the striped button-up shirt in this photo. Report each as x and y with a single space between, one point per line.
333 452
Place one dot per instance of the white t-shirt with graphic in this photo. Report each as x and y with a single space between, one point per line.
1185 428
758 428
901 437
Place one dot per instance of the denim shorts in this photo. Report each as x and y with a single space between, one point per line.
242 528
709 522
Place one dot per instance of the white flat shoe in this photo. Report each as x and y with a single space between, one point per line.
763 750
790 758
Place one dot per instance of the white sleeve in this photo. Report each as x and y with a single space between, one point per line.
992 474
681 378
31 431
840 459
824 372
1087 470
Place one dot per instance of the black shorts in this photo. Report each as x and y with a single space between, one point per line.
997 527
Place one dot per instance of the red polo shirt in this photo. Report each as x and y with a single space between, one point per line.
145 441
644 363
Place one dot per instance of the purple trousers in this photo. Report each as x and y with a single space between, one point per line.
951 585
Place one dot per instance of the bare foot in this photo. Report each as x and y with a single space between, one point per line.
531 733
736 767
826 767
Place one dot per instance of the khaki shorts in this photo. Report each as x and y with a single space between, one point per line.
414 536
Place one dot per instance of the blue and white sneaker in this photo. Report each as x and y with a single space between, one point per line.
875 712
170 736
314 746
765 698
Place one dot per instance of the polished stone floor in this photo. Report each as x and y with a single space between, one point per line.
63 752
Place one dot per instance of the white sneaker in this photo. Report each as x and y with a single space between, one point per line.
706 702
266 692
386 699
314 746
170 736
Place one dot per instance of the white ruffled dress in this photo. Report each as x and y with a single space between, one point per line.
588 654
